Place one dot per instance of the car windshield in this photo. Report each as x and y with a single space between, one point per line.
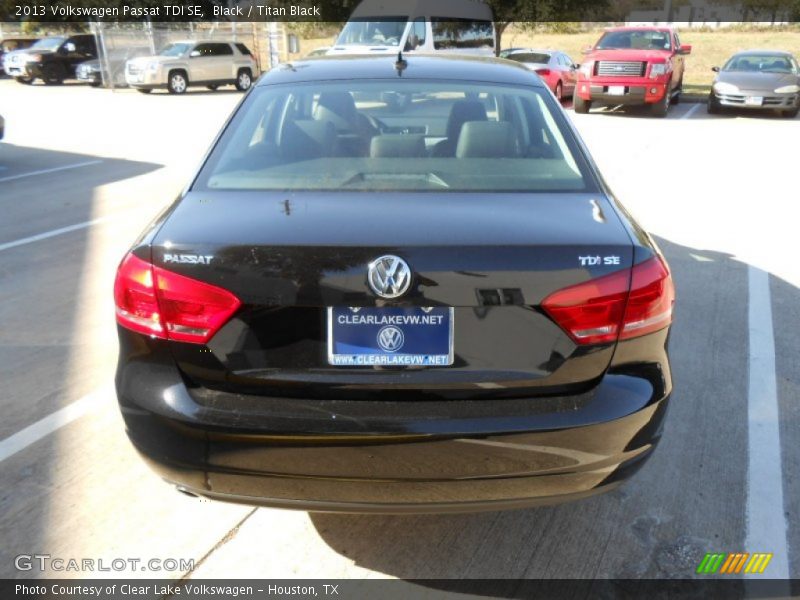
178 49
48 44
636 39
386 32
530 57
397 135
765 63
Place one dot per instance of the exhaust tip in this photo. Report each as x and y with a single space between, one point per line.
186 492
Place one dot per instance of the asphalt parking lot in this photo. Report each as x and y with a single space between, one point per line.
83 170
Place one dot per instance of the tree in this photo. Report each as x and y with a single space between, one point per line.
529 12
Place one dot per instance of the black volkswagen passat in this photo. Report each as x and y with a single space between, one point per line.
395 286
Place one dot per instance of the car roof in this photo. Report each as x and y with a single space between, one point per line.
532 50
763 53
450 68
639 28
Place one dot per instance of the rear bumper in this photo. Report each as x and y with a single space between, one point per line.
393 457
637 92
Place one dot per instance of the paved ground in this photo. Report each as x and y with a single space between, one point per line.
720 195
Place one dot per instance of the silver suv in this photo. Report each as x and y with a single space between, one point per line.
181 64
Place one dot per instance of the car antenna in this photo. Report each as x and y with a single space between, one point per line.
400 64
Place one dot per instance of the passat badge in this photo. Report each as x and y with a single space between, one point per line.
188 259
389 276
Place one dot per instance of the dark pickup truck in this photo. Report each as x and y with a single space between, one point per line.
52 59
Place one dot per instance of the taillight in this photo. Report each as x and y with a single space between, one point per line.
650 300
157 302
544 72
602 310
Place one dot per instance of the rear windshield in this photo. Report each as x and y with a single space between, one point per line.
386 32
392 135
530 57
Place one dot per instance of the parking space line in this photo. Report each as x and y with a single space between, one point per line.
766 517
691 111
55 232
53 170
44 427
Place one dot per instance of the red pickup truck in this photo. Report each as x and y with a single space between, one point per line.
632 66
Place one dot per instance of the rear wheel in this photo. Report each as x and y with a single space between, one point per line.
559 91
244 80
581 106
713 106
52 75
177 82
25 80
661 108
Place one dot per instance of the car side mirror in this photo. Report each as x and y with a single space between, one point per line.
715 69
586 49
412 42
575 66
194 53
685 49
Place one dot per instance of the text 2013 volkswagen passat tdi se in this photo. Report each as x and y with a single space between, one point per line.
395 286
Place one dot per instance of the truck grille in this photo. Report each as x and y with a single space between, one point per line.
621 68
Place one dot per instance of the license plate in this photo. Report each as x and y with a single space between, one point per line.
390 336
754 100
616 90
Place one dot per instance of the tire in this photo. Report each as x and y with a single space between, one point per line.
713 108
144 90
52 75
580 105
559 92
244 79
24 80
212 87
177 82
661 108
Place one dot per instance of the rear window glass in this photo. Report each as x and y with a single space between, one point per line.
386 32
395 135
530 57
461 33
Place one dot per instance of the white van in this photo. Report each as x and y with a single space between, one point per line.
424 26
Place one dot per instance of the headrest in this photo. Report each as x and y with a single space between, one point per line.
397 145
487 139
461 112
337 107
307 139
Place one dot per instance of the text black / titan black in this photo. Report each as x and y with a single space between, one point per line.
454 189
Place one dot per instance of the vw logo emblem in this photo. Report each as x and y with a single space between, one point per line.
389 276
390 338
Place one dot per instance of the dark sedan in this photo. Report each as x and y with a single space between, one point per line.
757 80
371 306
